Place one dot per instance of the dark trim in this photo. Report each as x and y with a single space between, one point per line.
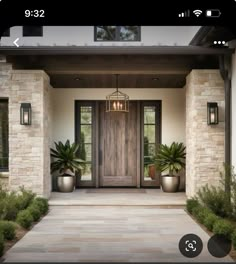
200 35
78 104
32 31
225 65
115 50
117 36
158 139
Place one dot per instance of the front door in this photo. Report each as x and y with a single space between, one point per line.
118 147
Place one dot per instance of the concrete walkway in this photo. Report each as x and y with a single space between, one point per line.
109 234
118 196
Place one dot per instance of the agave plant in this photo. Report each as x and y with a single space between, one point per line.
171 158
66 158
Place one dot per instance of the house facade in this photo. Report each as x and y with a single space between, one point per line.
65 74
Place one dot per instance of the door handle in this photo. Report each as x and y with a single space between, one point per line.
100 157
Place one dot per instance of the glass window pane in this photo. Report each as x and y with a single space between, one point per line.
105 33
149 114
86 130
87 172
129 33
149 133
86 115
3 134
88 152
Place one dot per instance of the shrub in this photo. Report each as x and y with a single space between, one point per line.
210 220
42 203
191 204
8 229
233 238
200 213
10 209
223 227
34 211
215 199
24 218
1 244
24 199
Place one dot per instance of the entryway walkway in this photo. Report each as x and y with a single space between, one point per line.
109 234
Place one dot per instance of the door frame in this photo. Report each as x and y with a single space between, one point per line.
96 137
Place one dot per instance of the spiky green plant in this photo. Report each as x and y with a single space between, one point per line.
171 158
66 158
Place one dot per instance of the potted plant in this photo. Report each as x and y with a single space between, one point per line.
67 163
172 159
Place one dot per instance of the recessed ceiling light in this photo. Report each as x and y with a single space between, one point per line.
78 79
155 79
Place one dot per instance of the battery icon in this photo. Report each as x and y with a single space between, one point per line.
213 13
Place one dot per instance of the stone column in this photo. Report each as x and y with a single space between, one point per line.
204 143
29 146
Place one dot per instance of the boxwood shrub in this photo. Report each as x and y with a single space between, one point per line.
210 220
34 211
223 227
191 204
24 199
8 229
42 204
1 244
24 218
200 213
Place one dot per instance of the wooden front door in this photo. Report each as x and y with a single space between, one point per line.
118 147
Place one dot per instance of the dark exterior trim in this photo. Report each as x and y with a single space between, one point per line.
200 35
114 50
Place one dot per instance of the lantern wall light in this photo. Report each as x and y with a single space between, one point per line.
212 113
25 114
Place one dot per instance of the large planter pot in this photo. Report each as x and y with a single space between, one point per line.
170 183
66 183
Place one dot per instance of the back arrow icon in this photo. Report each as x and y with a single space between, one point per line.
15 42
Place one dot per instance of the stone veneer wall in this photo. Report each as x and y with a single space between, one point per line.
29 146
204 144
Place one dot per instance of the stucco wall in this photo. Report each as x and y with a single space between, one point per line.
173 109
84 35
234 111
204 143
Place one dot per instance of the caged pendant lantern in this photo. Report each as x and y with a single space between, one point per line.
117 101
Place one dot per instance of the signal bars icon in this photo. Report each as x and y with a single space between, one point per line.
185 14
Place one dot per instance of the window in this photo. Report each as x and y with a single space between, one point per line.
117 33
3 135
6 33
85 132
29 31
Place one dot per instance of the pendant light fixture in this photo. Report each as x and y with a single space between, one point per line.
117 101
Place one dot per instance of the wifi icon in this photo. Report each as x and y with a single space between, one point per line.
197 12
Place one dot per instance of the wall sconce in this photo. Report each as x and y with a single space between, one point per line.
25 114
212 113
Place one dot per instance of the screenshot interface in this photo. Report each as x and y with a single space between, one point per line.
117 132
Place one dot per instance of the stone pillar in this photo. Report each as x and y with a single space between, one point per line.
29 146
204 143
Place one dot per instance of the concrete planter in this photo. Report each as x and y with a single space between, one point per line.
66 183
170 183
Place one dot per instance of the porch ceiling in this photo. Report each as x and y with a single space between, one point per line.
97 71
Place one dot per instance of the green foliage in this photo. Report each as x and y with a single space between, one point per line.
9 208
34 211
233 238
215 199
210 220
200 213
1 244
8 229
223 227
66 158
24 218
191 204
24 199
171 158
42 204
